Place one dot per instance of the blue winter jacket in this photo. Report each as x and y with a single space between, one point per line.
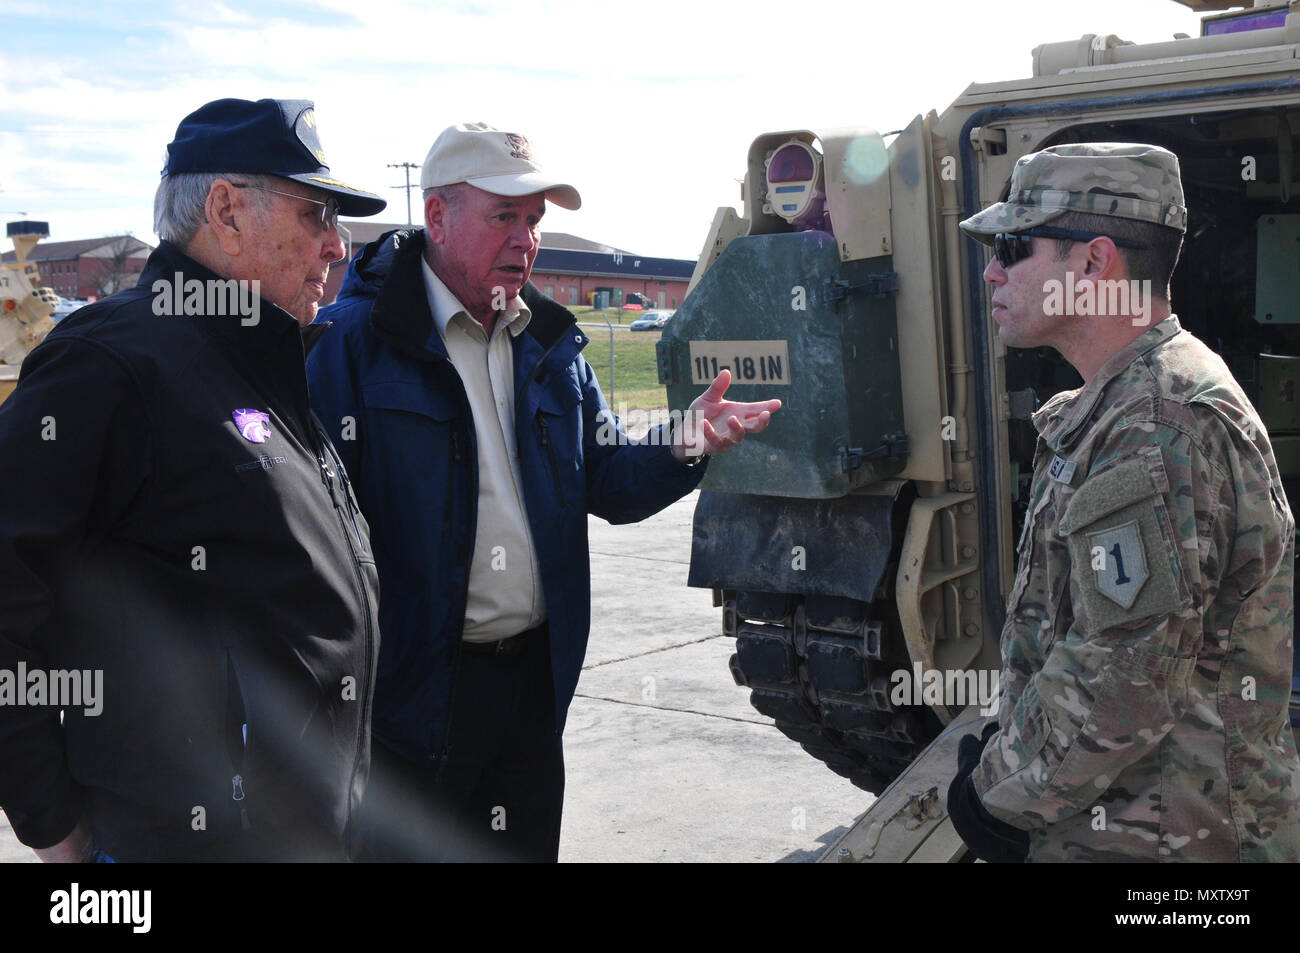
390 399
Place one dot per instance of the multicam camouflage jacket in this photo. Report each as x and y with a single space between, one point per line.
1148 643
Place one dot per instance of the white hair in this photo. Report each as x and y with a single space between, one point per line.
179 204
451 194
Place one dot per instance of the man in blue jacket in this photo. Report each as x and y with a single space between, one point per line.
478 440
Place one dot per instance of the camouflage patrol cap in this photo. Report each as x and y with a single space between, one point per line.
1123 179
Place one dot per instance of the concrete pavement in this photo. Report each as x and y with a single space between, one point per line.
667 760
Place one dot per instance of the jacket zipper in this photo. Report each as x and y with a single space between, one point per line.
352 517
444 750
327 479
544 434
347 493
236 740
452 459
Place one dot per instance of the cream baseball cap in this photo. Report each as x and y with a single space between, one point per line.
495 161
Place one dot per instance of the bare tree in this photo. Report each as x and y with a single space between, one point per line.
116 274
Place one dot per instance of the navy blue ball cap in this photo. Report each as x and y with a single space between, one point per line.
268 137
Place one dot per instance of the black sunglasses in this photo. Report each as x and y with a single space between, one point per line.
1012 247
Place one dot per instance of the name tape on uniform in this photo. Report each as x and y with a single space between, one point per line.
1061 469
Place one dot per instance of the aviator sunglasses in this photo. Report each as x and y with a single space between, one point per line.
329 211
1012 247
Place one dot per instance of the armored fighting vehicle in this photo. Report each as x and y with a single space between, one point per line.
25 307
862 548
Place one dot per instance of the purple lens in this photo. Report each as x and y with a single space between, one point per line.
791 163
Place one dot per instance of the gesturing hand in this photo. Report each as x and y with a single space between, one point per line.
714 424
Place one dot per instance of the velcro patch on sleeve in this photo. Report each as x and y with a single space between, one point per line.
1122 548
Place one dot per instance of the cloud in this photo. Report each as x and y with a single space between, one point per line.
649 108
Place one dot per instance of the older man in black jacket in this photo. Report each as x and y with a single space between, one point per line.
187 591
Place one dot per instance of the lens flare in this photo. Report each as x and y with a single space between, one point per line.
865 160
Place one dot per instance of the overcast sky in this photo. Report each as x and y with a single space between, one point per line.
647 108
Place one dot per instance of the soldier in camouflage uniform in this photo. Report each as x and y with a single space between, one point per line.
1148 643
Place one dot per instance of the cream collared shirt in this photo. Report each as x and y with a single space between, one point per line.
505 582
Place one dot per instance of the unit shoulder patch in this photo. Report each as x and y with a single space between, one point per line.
1120 562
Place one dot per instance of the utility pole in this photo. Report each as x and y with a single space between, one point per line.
408 166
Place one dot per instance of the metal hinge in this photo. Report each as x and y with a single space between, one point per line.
882 283
664 359
895 446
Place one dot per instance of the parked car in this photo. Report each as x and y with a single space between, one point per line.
66 306
635 299
650 321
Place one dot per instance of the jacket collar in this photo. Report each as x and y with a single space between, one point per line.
170 265
1058 420
551 321
401 314
313 333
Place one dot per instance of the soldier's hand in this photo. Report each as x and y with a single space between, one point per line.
714 425
988 838
970 748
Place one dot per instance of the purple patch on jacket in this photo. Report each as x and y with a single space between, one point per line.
254 425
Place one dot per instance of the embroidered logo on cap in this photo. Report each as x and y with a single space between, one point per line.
254 425
305 128
519 147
